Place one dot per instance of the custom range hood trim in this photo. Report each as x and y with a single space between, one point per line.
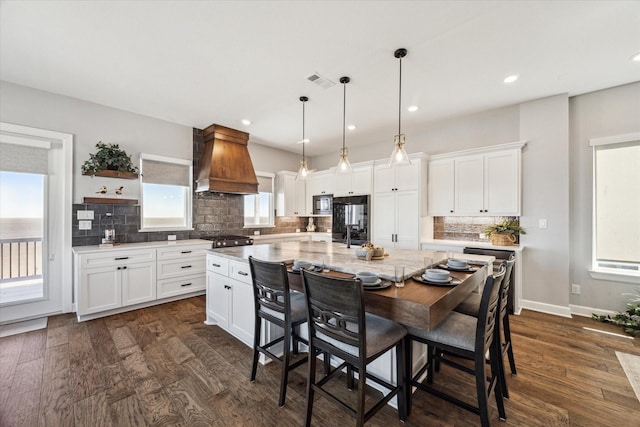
225 164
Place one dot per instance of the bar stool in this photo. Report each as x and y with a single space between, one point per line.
471 307
339 326
468 338
275 303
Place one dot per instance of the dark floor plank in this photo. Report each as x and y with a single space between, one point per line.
93 411
56 400
127 412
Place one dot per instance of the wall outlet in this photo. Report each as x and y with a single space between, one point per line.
171 237
542 223
482 236
85 214
84 225
575 289
256 233
297 230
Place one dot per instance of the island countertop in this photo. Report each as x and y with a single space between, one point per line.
342 259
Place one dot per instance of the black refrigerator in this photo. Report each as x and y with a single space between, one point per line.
351 212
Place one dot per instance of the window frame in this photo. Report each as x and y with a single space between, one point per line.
189 202
272 222
597 271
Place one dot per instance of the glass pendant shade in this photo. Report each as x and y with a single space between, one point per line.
399 155
343 164
303 172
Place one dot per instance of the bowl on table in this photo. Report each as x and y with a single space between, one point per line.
300 264
457 263
436 274
367 277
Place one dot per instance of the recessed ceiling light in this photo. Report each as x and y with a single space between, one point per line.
510 79
636 57
351 127
246 122
413 108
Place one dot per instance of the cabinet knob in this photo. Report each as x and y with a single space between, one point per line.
124 268
480 210
215 265
451 211
242 273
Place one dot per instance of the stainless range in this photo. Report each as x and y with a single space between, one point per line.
231 240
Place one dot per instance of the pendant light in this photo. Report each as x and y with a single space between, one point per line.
343 164
304 169
399 155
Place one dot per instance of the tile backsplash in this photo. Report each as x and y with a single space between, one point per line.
463 227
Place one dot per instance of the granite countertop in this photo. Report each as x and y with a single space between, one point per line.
142 245
342 259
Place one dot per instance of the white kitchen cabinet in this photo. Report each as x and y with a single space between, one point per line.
358 182
290 194
135 275
124 282
479 182
441 187
398 204
317 184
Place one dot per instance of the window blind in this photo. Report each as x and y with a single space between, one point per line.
23 158
155 172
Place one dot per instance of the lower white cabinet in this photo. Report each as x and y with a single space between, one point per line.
230 297
107 281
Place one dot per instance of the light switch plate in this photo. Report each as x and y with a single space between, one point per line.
542 223
84 225
85 214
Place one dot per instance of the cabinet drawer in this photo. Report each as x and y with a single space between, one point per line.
218 264
240 271
180 252
117 258
170 287
181 267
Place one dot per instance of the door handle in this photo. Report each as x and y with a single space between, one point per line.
216 265
122 257
242 273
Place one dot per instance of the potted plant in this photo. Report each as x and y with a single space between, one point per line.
505 232
109 157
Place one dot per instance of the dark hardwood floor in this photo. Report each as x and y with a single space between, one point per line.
163 366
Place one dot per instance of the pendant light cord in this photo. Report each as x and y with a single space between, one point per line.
303 139
344 113
400 98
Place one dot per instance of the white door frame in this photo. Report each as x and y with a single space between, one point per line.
59 218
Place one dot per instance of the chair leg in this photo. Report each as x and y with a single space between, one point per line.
408 367
431 351
362 374
311 380
285 365
481 390
256 344
401 383
326 363
496 366
350 377
501 374
507 339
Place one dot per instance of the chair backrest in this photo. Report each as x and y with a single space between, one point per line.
270 289
335 313
489 310
506 284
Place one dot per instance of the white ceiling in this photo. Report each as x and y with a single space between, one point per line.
203 62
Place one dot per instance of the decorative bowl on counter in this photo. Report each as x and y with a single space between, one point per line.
370 252
367 276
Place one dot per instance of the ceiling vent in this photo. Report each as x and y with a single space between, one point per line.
321 81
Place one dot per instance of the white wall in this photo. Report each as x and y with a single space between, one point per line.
544 124
609 112
90 123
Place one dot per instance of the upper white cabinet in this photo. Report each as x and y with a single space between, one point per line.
290 194
358 182
319 183
480 182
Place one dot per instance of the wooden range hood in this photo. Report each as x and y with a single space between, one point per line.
225 165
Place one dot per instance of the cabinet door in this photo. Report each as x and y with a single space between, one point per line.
138 283
441 187
469 185
342 184
361 181
99 289
408 176
384 212
241 315
407 220
218 295
502 183
300 201
384 178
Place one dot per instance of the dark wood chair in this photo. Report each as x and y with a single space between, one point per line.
339 326
471 307
275 303
469 338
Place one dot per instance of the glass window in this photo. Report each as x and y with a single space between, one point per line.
166 191
617 207
258 208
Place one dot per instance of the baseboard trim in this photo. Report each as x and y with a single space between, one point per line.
21 327
542 307
581 310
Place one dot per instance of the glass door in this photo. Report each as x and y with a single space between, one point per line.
23 235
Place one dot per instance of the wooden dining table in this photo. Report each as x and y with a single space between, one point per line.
416 304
